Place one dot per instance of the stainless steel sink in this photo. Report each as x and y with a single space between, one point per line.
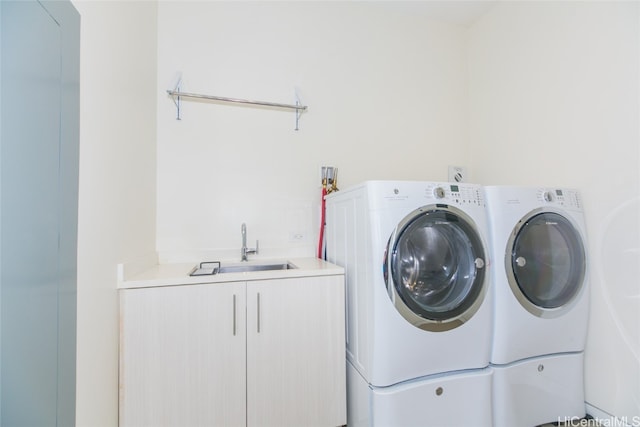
246 268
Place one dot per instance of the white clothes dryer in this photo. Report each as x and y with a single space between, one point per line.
540 275
418 297
541 303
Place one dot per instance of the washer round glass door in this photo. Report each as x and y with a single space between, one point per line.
435 268
545 263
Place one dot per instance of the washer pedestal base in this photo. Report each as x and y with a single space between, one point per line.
539 390
457 399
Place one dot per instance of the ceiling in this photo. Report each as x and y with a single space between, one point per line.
458 12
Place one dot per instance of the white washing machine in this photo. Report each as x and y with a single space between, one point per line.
419 306
541 303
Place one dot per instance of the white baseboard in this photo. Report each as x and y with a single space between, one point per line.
607 420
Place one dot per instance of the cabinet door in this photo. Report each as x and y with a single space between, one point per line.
295 352
182 356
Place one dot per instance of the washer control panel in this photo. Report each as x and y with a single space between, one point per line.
455 193
560 197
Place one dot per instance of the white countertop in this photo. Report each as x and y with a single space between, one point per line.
178 274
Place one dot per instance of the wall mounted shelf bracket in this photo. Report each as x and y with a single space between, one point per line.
177 95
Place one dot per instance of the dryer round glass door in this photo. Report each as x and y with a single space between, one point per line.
545 263
435 268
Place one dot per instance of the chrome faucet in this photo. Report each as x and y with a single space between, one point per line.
245 250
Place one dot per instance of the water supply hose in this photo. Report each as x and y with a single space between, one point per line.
323 209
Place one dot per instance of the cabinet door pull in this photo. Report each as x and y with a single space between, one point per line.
258 312
234 315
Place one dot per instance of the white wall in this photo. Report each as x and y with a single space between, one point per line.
387 96
117 185
554 100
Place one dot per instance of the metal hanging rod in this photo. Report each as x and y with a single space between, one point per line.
236 100
176 94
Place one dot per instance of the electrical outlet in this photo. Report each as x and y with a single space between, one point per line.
457 174
297 236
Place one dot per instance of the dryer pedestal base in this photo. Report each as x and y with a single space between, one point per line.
458 399
539 390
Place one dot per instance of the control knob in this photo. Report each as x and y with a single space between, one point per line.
438 192
547 196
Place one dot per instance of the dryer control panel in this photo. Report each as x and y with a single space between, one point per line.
566 198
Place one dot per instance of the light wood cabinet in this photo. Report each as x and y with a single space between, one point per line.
295 352
258 353
180 361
